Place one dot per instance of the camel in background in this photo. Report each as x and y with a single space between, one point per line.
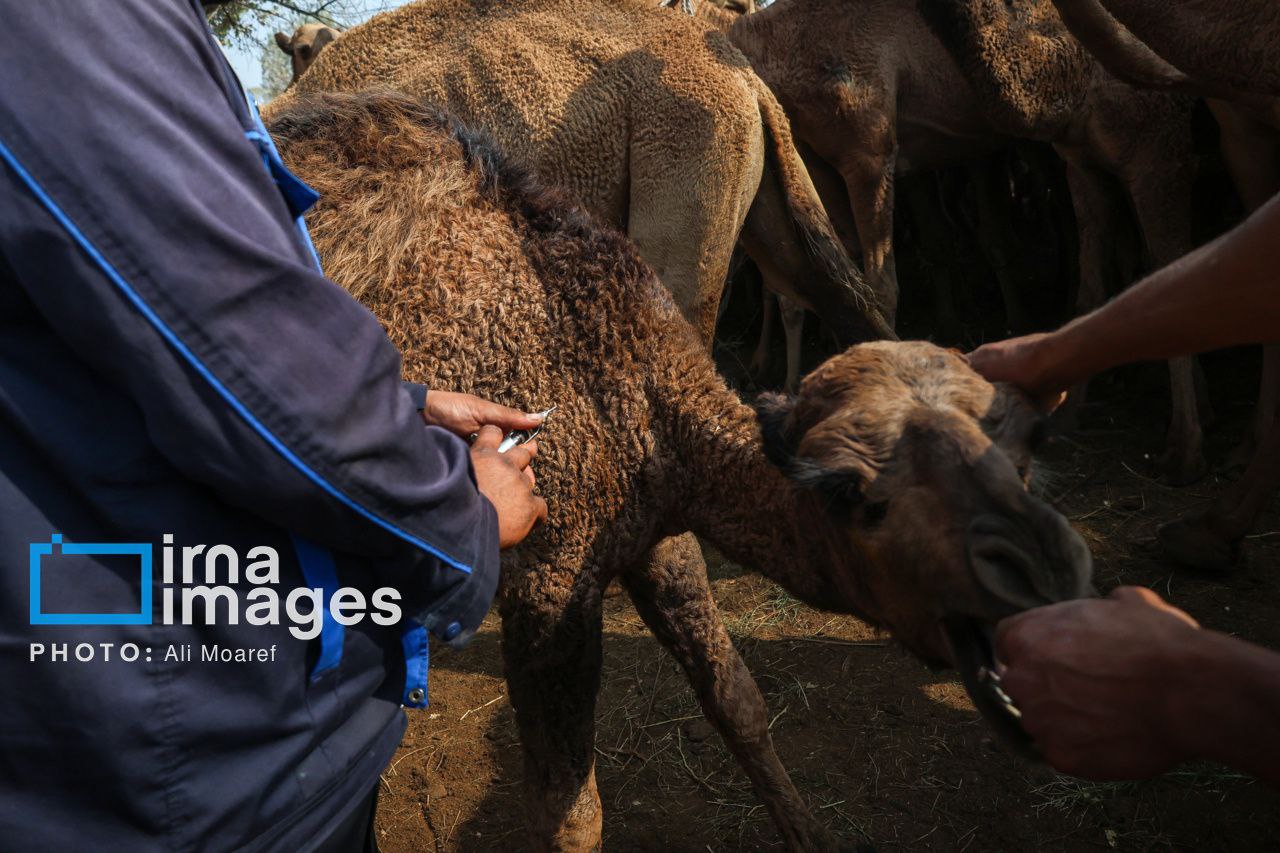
893 487
1227 53
887 86
305 45
649 117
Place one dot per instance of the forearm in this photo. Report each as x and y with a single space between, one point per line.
1224 294
1226 705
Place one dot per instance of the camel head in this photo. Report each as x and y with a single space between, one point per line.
913 470
307 42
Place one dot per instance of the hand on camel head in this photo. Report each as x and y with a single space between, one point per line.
507 480
463 414
1024 362
1095 680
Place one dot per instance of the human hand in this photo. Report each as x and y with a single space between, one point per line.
463 414
1093 679
1022 362
507 480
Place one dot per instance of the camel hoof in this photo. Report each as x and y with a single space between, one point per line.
1192 543
1241 455
1182 466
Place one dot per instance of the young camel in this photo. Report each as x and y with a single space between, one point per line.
650 118
886 86
1234 46
903 499
305 45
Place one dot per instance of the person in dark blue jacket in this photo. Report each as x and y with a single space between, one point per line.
225 530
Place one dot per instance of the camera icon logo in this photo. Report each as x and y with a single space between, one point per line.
56 547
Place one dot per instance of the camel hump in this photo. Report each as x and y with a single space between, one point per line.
1028 73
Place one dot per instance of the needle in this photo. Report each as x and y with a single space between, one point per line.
523 436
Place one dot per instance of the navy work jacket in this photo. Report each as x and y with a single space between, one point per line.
175 373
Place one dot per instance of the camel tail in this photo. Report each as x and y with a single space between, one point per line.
809 217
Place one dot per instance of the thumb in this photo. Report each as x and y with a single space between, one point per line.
505 417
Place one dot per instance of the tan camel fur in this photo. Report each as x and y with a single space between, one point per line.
885 86
903 497
650 117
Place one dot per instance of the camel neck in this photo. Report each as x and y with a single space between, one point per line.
731 496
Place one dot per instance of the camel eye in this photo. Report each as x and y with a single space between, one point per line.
874 513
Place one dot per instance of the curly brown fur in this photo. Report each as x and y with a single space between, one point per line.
491 284
650 118
1030 75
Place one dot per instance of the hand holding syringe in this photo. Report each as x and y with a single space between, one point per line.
523 436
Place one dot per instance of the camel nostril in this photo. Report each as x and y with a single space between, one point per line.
1005 571
1003 566
1029 562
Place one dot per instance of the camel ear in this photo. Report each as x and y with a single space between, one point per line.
843 488
283 42
777 428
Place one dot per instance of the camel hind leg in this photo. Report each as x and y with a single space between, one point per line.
793 328
673 597
1096 219
551 653
1162 200
1210 538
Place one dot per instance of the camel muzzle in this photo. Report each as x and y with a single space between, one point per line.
1018 563
1027 560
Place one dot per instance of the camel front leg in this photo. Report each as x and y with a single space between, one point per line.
672 596
1209 539
551 657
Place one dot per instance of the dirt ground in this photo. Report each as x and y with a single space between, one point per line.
885 751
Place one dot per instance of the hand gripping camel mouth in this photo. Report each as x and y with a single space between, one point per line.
1014 577
974 655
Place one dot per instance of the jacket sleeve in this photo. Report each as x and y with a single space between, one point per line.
141 223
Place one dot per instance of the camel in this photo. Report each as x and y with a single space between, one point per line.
649 117
892 487
1231 61
1205 46
305 45
1228 55
886 86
